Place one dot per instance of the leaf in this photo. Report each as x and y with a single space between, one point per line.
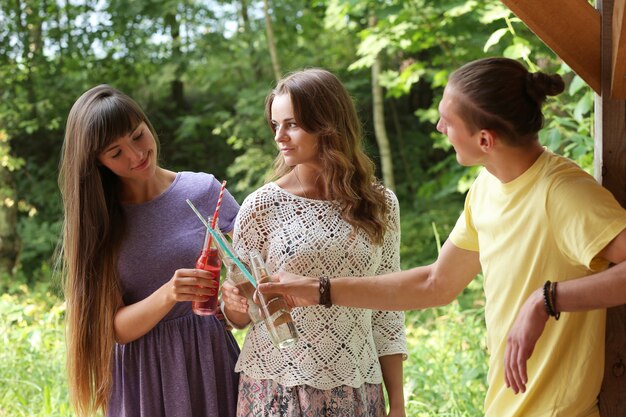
583 107
495 38
365 62
466 7
551 138
497 12
576 84
440 78
517 51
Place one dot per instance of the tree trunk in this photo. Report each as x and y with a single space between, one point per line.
9 240
31 41
405 164
177 86
271 42
244 17
247 34
386 162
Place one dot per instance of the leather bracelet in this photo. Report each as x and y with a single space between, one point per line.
557 314
325 292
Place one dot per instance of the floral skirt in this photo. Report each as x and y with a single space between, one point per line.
267 398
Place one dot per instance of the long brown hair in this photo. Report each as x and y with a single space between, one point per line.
502 95
323 107
92 234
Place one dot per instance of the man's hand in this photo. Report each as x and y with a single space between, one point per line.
522 339
298 291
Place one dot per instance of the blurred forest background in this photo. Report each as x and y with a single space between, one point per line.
201 70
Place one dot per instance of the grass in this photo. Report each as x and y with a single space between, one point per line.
32 378
445 374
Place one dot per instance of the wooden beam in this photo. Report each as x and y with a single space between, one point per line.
571 28
610 170
618 79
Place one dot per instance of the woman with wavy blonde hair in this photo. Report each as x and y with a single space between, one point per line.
129 245
325 214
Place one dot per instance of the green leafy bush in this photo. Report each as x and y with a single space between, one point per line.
445 373
32 358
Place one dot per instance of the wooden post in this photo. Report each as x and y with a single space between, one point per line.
618 66
610 170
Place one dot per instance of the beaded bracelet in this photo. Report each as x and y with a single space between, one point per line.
325 292
549 299
546 298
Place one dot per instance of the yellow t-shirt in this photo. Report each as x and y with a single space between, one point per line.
547 224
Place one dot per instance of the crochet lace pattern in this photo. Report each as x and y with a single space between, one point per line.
337 345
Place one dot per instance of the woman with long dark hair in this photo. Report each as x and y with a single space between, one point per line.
129 248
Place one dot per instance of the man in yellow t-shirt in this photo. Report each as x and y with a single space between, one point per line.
542 231
559 218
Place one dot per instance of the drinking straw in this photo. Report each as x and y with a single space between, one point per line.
219 203
236 260
224 246
200 216
219 233
217 210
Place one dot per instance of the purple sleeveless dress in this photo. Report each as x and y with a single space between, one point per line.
184 366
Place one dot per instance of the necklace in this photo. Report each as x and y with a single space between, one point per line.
295 172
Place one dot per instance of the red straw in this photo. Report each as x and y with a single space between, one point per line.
219 203
217 210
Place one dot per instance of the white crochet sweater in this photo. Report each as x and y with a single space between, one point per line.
337 345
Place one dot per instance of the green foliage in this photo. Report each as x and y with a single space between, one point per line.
38 237
569 129
419 241
32 357
8 161
201 70
446 371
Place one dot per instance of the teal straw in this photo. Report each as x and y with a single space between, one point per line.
236 260
223 245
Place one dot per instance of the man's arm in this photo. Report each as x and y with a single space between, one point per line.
602 290
425 286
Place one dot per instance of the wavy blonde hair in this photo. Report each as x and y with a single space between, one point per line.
323 107
92 234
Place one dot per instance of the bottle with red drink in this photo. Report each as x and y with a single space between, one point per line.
209 260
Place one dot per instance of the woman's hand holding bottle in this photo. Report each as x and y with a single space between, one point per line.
191 285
